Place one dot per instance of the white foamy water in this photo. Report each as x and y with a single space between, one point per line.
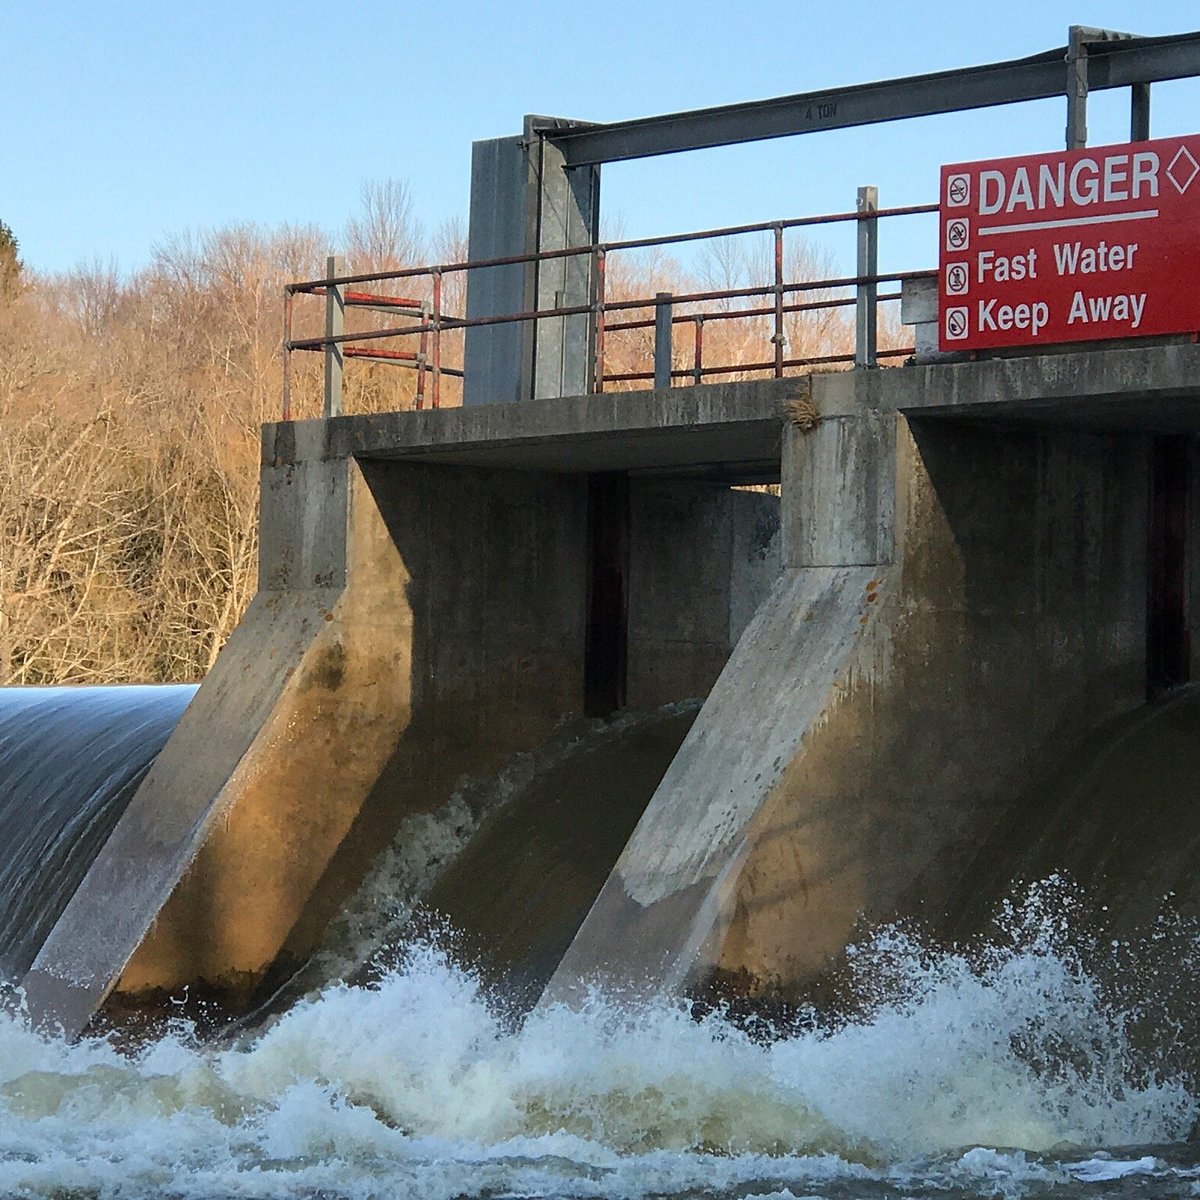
1006 1076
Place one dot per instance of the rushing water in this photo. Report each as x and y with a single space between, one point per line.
1048 1054
1005 1072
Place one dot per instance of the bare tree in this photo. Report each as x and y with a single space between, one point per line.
385 235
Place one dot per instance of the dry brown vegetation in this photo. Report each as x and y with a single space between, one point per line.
130 410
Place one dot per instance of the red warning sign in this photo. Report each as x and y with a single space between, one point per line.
1073 246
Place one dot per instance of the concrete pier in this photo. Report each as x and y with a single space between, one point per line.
967 589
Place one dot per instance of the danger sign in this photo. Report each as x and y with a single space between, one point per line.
1074 246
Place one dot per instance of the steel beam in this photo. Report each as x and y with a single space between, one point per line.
1118 63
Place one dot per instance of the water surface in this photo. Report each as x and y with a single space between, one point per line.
70 760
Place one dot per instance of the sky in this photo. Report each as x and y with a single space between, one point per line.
125 123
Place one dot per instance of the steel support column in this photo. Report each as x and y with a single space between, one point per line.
1139 113
1077 89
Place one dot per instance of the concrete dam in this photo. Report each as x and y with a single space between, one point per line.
736 725
955 583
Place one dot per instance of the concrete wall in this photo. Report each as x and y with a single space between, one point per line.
459 634
303 572
963 596
702 559
959 602
503 225
525 201
1012 623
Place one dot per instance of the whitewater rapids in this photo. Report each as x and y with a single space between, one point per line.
1006 1072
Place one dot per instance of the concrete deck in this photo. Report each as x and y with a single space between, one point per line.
733 430
1150 389
727 430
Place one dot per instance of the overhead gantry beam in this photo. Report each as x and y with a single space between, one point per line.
1113 61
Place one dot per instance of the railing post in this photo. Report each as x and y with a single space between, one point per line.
868 269
662 340
600 263
560 301
335 325
698 350
423 352
779 339
288 299
437 338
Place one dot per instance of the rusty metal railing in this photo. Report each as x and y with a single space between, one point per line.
784 298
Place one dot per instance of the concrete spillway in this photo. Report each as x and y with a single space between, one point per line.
969 577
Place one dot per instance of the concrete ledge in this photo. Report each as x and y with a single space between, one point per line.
1134 387
714 425
734 430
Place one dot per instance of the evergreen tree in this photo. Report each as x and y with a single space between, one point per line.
10 264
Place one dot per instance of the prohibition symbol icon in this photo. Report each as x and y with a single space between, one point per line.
956 323
956 279
958 234
958 190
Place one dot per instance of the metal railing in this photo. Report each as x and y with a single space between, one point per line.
784 298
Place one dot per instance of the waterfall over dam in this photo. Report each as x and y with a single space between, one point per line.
70 761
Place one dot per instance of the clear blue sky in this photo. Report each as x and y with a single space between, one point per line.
122 121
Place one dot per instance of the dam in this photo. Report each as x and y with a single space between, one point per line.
846 612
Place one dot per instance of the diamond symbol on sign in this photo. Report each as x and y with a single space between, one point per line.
1182 170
